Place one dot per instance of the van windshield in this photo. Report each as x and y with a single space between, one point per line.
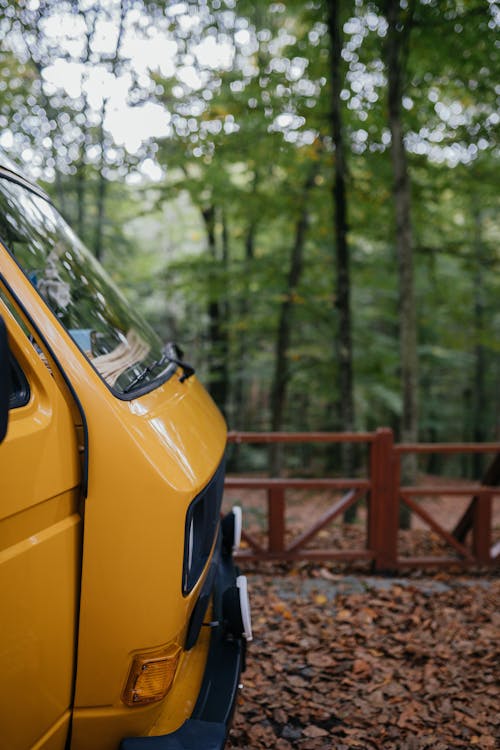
118 343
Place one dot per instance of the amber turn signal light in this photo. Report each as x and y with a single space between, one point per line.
150 677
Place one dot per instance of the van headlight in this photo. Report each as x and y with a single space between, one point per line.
202 522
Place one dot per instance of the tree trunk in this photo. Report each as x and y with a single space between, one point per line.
225 315
61 192
80 197
218 371
479 386
399 28
343 285
241 406
239 401
101 200
102 179
240 390
281 370
89 19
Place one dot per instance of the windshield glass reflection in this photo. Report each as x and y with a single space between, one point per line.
111 334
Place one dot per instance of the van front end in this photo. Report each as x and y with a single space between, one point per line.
208 724
116 567
158 624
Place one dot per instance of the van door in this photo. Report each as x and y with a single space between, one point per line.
40 535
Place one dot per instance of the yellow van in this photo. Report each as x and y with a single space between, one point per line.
123 618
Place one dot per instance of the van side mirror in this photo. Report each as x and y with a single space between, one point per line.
4 379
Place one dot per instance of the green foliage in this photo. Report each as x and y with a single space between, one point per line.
210 242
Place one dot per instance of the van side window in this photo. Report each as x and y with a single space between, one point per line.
19 386
19 390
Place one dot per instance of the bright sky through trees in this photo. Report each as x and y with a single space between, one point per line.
150 50
145 50
154 51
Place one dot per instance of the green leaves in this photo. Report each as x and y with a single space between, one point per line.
246 126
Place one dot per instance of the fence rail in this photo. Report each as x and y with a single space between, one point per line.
469 542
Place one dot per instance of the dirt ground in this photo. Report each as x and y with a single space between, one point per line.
355 661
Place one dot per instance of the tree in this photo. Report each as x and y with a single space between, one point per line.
275 110
399 27
342 253
281 366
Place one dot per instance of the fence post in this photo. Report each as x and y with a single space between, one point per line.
481 528
276 519
383 504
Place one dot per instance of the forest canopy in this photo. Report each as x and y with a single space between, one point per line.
303 194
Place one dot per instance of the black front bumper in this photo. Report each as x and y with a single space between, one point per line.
209 724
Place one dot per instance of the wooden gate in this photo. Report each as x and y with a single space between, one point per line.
383 493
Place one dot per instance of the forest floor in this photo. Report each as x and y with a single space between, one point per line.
342 660
345 659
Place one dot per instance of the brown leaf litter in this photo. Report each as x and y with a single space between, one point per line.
344 662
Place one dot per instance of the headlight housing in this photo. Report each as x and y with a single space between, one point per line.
202 521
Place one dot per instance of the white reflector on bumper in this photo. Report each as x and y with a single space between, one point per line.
246 617
238 524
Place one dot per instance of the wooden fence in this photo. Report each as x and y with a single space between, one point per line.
469 542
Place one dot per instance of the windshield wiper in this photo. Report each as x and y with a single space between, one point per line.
144 373
174 353
171 353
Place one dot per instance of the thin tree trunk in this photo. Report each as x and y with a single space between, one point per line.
225 316
397 39
479 386
241 410
51 112
217 383
101 201
102 179
90 20
80 197
281 369
343 284
61 193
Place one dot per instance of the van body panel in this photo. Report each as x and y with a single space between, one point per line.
179 706
40 552
56 737
37 632
104 728
91 725
39 430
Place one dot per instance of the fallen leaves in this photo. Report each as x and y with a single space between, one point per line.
343 662
361 669
313 731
